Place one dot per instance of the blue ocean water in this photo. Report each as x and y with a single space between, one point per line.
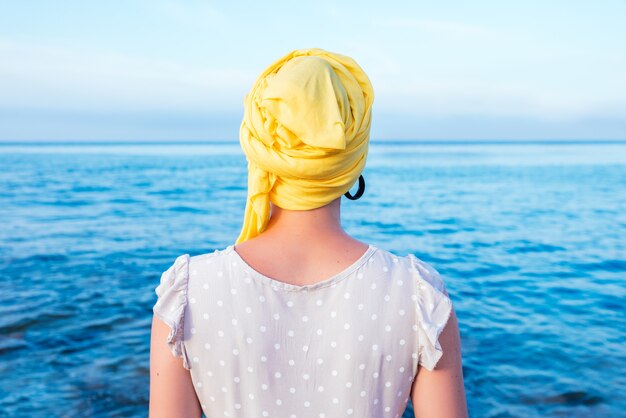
529 240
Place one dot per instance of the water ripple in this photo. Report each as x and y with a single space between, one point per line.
529 244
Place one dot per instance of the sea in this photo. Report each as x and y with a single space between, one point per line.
529 238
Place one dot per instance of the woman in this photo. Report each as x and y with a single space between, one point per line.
297 318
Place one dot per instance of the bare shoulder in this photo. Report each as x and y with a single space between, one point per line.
440 393
171 389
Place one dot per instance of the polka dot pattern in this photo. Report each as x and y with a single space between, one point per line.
286 348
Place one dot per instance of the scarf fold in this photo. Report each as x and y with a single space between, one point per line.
305 133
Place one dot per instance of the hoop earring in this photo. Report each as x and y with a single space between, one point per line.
359 192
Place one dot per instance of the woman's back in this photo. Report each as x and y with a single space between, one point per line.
349 344
302 247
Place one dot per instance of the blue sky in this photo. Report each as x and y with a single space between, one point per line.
165 70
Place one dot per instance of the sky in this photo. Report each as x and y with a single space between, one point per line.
159 70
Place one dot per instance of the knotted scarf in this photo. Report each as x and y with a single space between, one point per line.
305 133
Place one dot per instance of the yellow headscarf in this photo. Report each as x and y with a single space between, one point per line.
305 133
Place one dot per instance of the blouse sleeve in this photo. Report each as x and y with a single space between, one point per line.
433 311
171 303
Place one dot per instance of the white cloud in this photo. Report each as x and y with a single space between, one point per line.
61 78
443 27
188 12
466 97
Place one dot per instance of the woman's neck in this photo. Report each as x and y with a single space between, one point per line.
303 234
315 222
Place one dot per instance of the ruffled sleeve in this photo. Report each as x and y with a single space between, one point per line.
171 304
433 311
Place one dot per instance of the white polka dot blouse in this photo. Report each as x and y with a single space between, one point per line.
349 345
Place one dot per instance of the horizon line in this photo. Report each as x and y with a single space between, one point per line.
459 141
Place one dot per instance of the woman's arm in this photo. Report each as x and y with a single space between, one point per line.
441 393
172 394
